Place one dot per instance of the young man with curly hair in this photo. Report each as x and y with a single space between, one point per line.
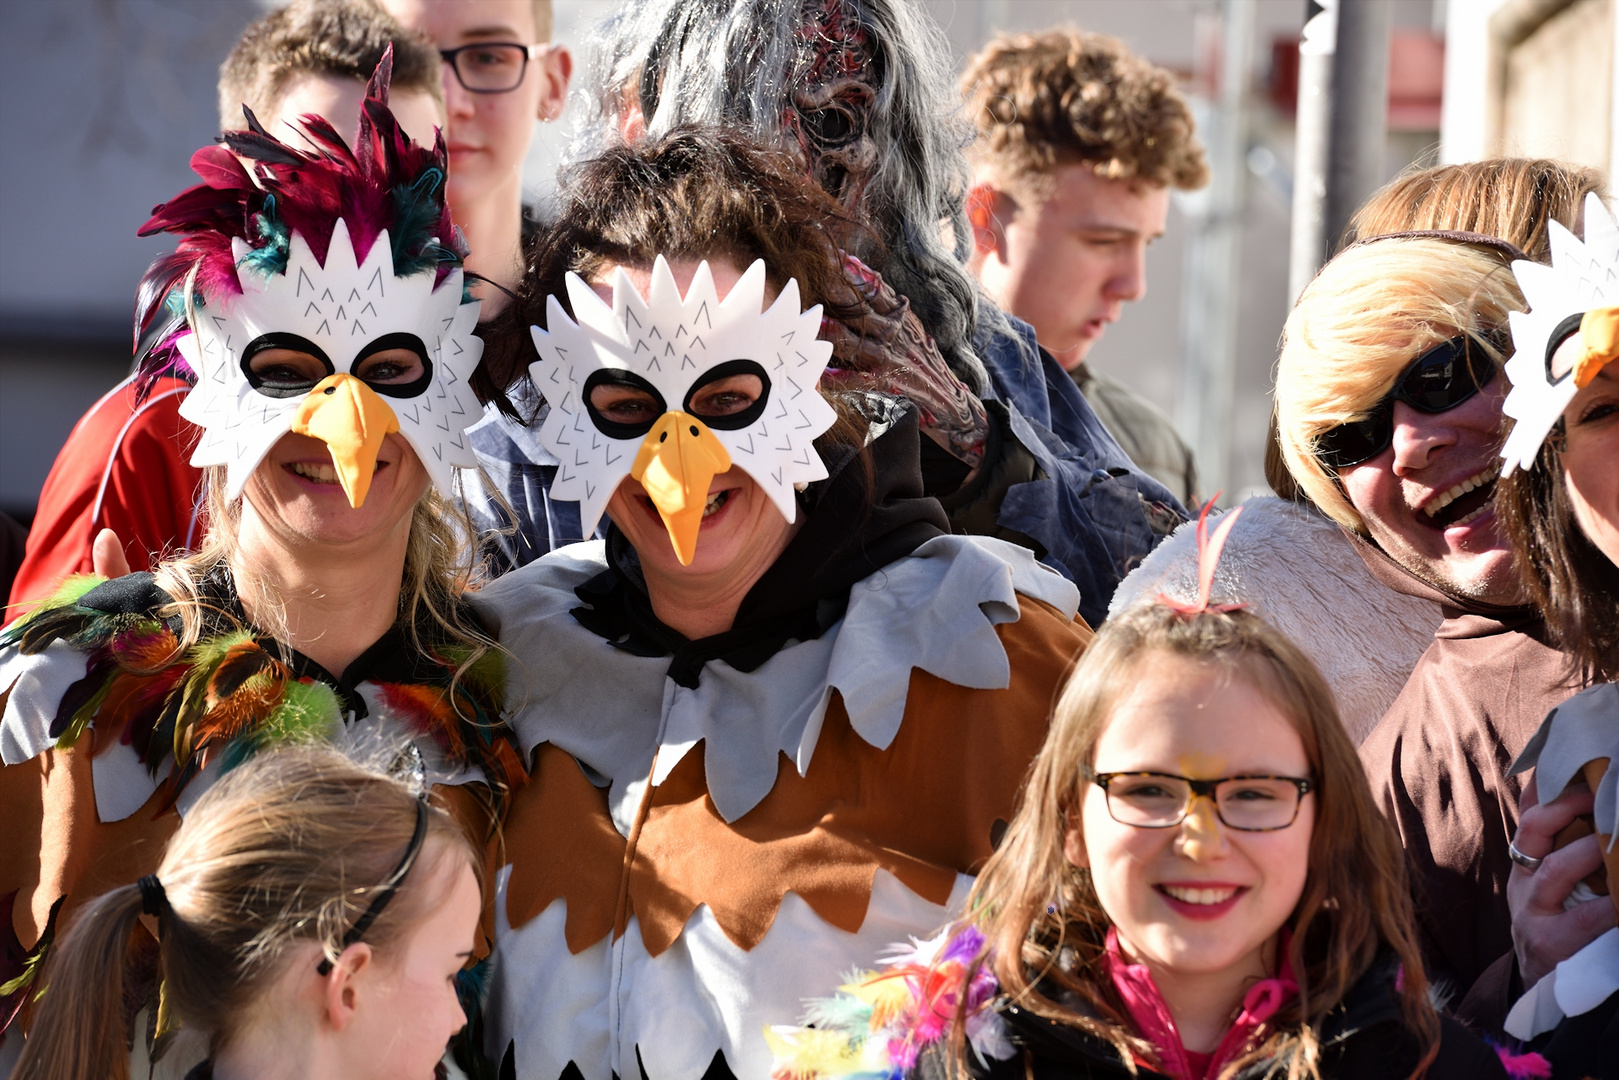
1079 143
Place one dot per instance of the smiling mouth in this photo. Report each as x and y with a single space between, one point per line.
716 500
1200 897
1464 503
318 473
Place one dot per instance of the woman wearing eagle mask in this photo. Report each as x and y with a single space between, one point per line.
778 712
316 299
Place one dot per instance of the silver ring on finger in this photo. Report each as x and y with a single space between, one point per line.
1528 862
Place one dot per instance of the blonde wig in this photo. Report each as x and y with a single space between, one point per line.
1359 324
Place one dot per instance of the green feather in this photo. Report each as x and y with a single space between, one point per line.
309 712
67 594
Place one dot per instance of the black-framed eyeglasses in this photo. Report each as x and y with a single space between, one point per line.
491 67
1153 800
1437 381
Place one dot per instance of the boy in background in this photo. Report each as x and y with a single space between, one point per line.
1079 143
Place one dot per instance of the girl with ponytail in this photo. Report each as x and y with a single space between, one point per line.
312 917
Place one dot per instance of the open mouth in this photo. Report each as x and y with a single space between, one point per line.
1200 897
321 472
1201 902
716 500
1464 503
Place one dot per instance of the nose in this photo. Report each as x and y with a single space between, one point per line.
1201 837
457 100
1129 279
1418 436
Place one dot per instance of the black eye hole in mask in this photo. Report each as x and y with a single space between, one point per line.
730 409
395 378
289 376
1565 330
621 404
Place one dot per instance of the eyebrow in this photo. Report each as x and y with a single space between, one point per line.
501 31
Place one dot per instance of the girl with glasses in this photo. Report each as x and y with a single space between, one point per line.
1197 884
312 919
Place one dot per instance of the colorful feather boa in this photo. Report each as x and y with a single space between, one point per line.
231 696
879 1023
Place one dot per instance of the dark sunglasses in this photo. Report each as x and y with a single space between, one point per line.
1437 381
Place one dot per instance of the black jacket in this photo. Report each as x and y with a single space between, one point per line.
1365 1038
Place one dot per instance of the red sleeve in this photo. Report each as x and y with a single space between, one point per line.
123 468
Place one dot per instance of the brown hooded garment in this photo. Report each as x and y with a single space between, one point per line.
1438 761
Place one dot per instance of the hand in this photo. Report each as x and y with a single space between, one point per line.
107 556
1543 934
887 350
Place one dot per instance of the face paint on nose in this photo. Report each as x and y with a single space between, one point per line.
1200 832
678 460
352 420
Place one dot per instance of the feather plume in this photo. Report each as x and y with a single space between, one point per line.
386 182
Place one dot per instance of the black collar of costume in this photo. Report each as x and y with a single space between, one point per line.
851 530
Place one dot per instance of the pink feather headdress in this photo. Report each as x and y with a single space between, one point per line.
387 182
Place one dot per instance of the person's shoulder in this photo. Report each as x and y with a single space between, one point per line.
541 589
1369 1038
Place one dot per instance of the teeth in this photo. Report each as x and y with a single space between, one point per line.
1200 896
321 474
715 501
1472 483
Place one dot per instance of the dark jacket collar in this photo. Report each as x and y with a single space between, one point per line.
852 529
1370 1003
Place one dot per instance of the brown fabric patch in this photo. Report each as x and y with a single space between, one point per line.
562 843
921 809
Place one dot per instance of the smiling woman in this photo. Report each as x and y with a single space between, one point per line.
331 353
820 701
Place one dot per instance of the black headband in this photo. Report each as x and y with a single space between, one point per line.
1510 251
385 891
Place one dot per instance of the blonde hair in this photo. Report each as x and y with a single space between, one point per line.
1043 925
439 564
1368 313
288 849
1511 198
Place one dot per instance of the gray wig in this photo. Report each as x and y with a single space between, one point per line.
731 61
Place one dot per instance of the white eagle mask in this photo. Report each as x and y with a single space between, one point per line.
1569 332
669 347
341 313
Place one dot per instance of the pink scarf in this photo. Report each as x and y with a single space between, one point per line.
1153 1021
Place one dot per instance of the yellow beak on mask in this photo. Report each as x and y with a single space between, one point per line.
677 461
352 420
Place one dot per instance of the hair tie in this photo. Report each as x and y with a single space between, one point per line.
1208 557
154 898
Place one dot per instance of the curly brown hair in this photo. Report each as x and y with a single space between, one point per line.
1065 97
